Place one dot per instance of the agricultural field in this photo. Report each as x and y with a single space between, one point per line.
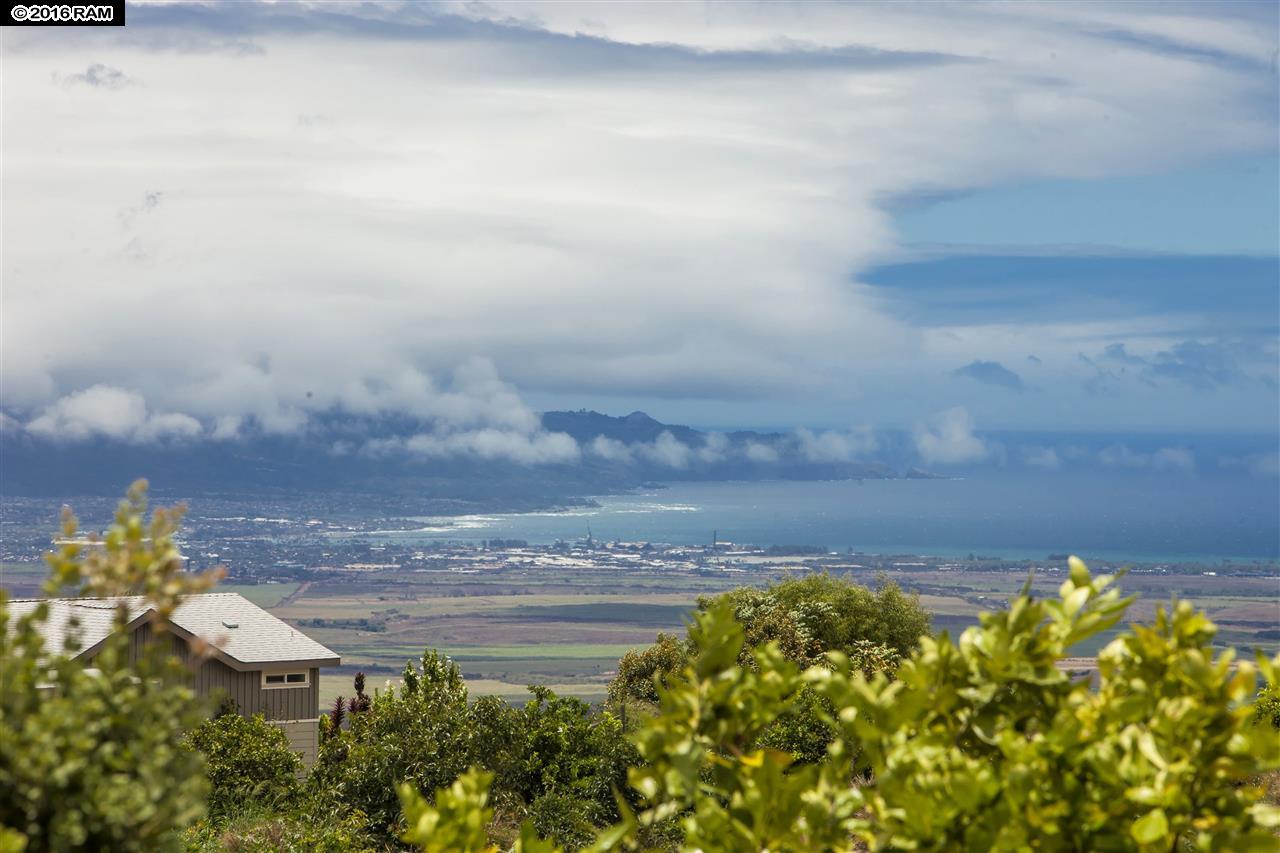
567 630
23 579
564 619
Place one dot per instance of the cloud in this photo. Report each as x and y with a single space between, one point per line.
610 449
104 411
665 450
535 448
1042 457
1261 465
763 453
836 446
688 215
1202 366
714 449
947 438
1117 352
1164 459
992 373
98 76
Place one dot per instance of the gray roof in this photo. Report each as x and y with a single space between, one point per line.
256 638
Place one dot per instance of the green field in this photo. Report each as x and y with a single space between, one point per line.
264 594
566 630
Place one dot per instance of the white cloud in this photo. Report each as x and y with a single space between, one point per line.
106 411
835 446
947 438
1164 459
610 449
665 450
1042 457
536 448
1261 465
714 449
669 222
758 452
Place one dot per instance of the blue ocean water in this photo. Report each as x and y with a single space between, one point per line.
1112 515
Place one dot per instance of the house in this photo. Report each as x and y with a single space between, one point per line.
261 663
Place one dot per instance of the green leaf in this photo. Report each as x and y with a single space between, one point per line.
1151 827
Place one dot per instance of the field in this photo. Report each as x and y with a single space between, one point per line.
566 626
567 629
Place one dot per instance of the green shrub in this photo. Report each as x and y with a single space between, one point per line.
818 613
266 830
247 762
981 744
416 733
94 760
1266 708
640 670
988 744
564 819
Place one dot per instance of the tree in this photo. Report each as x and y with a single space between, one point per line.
819 613
641 670
93 760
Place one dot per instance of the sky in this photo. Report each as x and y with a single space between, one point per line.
232 218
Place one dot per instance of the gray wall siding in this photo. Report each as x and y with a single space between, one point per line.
304 739
214 678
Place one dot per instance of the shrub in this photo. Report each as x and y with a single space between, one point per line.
638 669
247 762
269 831
564 819
818 613
805 617
988 744
94 760
981 744
417 733
1266 708
553 745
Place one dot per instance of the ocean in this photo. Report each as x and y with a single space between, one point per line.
1141 516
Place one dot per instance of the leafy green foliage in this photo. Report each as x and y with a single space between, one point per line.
564 819
640 670
247 760
981 744
704 764
457 821
557 746
804 617
94 760
1266 708
812 615
987 744
268 829
415 733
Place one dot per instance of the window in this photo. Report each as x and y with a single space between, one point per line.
271 680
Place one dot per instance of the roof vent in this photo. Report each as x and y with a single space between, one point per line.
229 624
